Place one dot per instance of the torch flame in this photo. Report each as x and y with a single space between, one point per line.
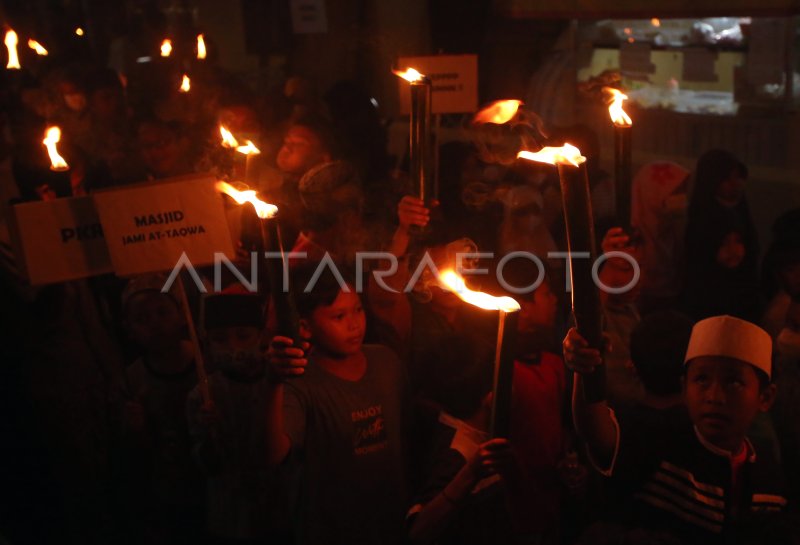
564 155
185 84
499 112
201 47
228 140
36 46
263 210
51 138
11 43
166 47
248 149
618 115
410 75
450 280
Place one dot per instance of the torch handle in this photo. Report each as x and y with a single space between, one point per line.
420 144
623 175
504 374
286 314
585 297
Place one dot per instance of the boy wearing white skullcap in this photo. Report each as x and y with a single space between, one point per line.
697 476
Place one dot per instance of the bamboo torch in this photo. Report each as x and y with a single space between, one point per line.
622 156
285 310
420 141
580 239
508 316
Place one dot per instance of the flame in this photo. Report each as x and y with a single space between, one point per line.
36 46
79 31
201 47
564 155
450 280
655 21
248 149
185 84
410 75
499 112
11 43
228 140
51 137
263 210
618 115
166 47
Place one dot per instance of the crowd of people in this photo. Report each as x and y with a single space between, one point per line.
372 425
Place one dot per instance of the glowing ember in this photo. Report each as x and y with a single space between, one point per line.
410 75
11 43
185 84
36 46
51 138
450 280
166 48
564 155
248 149
498 112
618 115
201 47
263 210
79 31
228 141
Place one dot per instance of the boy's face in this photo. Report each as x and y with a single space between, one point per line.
301 150
154 321
723 396
237 349
540 311
339 329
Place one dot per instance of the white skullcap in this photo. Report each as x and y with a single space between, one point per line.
731 338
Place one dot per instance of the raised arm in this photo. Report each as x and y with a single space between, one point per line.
594 422
285 361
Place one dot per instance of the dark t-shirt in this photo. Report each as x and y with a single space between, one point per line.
348 439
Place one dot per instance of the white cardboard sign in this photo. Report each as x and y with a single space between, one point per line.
149 226
59 240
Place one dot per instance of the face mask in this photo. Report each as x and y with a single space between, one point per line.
789 343
248 362
75 101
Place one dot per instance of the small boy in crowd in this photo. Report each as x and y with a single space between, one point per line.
247 503
464 499
163 484
705 482
337 411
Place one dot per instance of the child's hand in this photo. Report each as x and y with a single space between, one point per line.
285 359
412 211
492 457
615 240
578 357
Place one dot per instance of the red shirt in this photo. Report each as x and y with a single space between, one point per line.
537 433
